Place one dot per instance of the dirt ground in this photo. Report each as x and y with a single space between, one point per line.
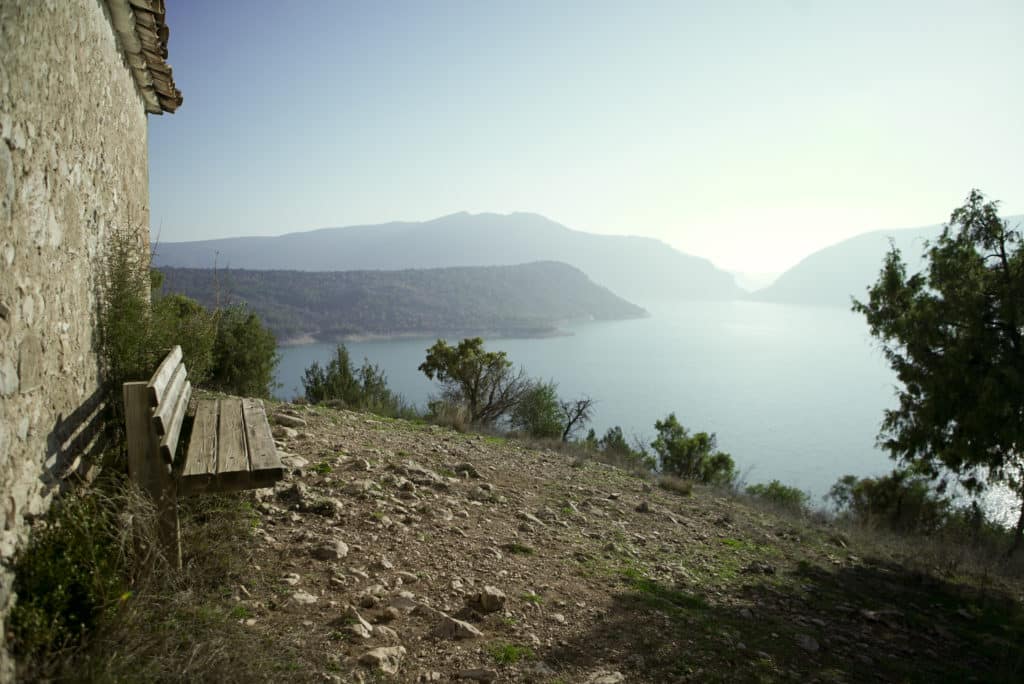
398 551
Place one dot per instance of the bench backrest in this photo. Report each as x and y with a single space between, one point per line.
169 391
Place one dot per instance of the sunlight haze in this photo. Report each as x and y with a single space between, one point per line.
751 134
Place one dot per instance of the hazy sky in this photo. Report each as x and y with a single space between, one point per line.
751 133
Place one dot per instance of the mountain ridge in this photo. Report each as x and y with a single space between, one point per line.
833 275
638 268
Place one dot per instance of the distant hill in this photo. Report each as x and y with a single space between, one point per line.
524 300
639 268
829 277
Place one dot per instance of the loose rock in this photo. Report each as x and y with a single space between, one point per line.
330 551
489 600
288 420
450 628
386 659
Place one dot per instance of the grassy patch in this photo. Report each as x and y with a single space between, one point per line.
535 599
509 654
658 596
323 467
519 549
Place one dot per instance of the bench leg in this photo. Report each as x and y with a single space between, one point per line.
147 469
169 528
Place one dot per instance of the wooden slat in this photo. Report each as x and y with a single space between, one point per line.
262 453
167 401
231 456
143 465
158 383
201 457
169 442
208 474
226 482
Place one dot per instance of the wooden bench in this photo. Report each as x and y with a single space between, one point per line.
231 447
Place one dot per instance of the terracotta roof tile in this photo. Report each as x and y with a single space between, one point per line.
142 35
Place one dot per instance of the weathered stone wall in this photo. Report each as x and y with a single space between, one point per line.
73 166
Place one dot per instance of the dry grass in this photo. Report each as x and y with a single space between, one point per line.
178 626
450 415
955 553
675 484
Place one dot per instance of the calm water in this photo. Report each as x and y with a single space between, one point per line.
794 393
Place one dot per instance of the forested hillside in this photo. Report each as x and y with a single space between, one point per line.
524 300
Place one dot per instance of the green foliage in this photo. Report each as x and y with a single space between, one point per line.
519 549
538 412
124 318
178 320
137 326
691 457
509 654
365 387
953 335
483 381
899 501
70 576
783 496
244 354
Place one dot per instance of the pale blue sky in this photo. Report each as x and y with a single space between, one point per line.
750 133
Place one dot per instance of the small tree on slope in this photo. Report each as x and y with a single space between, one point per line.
953 334
484 381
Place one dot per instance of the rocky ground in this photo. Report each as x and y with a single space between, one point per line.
397 551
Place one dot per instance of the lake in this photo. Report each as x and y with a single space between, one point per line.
793 393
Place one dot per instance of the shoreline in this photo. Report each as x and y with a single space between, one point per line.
554 329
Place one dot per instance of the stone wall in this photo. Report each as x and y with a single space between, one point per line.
73 166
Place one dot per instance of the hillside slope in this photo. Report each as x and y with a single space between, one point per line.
385 533
638 268
523 300
831 276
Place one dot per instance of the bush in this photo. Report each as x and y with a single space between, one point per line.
691 457
179 320
365 387
448 414
538 412
138 325
671 483
783 496
615 448
900 501
244 354
73 574
123 328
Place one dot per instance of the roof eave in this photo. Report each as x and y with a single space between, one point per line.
142 36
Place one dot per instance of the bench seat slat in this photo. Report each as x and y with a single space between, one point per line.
235 453
158 383
231 453
169 442
263 456
201 457
167 402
